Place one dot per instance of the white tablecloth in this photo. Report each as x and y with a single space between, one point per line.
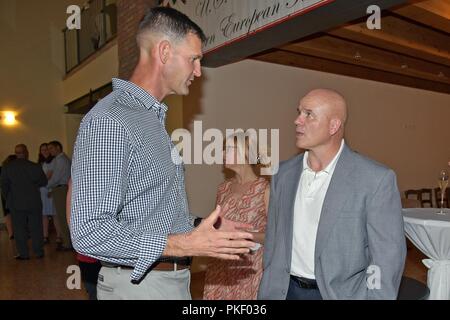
430 232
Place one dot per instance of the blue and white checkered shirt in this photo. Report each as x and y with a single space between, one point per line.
128 195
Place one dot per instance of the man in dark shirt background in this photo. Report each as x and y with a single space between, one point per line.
20 182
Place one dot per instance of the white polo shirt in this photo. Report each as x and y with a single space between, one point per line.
311 193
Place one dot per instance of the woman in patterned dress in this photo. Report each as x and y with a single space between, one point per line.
243 198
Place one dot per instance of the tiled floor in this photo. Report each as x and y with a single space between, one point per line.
36 279
46 279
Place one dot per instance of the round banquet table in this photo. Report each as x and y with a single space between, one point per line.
430 233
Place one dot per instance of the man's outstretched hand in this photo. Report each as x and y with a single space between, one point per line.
225 242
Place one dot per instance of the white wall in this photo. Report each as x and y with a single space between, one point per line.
404 128
31 72
93 75
96 74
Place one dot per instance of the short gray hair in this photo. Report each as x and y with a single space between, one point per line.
170 22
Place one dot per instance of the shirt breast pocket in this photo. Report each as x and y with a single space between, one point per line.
155 163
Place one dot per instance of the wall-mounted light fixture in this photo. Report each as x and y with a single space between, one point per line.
8 118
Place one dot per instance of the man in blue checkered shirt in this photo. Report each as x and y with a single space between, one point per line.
128 202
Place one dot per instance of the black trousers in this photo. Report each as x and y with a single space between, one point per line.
295 292
28 222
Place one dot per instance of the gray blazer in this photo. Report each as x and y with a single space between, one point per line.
361 225
20 182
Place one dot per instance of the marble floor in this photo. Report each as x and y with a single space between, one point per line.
46 279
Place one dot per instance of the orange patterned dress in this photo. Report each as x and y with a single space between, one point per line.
238 280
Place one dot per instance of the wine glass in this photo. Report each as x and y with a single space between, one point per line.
443 183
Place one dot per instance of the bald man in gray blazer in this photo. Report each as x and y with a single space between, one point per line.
335 229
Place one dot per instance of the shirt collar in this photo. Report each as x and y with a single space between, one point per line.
149 101
330 167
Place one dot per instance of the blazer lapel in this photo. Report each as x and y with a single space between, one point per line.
288 198
335 198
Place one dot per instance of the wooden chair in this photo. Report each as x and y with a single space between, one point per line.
411 203
415 194
426 197
437 197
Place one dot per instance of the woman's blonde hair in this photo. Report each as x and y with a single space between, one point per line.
249 151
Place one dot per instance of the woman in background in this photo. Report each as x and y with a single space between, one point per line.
48 209
243 198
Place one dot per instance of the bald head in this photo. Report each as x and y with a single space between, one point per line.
322 114
21 151
332 102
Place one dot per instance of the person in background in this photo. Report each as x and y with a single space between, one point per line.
57 185
6 210
20 182
244 198
48 208
89 267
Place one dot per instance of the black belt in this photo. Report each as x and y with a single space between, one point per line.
305 283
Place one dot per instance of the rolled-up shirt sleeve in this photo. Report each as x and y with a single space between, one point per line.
100 171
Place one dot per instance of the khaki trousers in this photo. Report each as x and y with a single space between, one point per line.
59 199
115 284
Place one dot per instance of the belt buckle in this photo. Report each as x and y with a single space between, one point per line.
302 283
309 285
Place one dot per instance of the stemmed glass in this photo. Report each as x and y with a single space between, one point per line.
443 183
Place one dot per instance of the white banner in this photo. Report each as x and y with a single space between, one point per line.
226 21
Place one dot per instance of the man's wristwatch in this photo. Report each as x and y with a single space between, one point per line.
197 221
